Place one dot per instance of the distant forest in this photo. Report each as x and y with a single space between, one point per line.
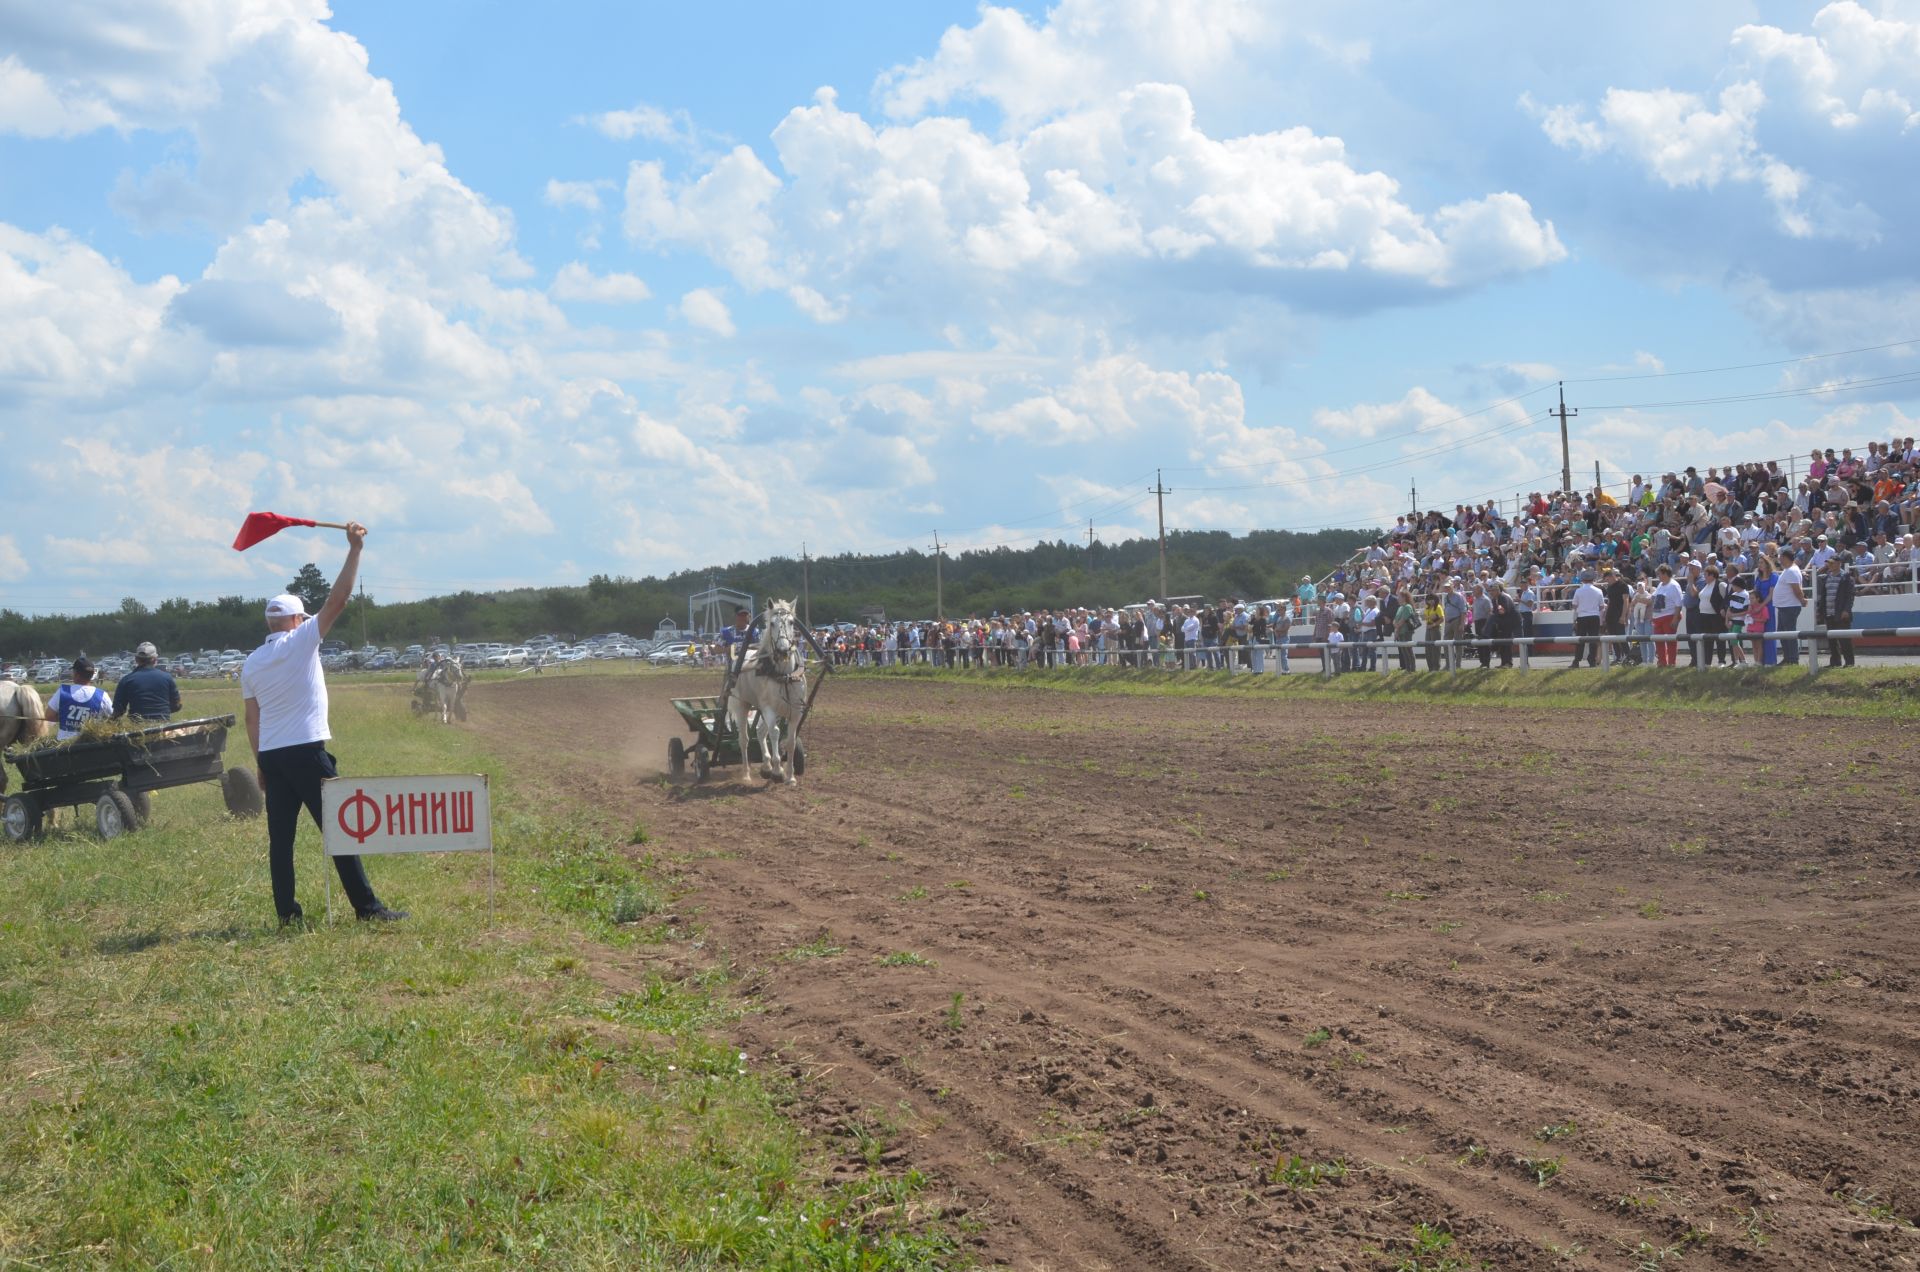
1203 563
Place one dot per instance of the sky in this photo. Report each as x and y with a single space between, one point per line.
545 291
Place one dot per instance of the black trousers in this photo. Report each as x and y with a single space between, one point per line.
1586 629
293 775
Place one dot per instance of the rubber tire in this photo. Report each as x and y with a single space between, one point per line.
241 789
799 758
113 815
20 819
676 757
702 765
417 708
142 807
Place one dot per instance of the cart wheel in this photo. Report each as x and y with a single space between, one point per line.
799 758
417 708
20 819
142 807
113 815
676 757
702 762
241 790
460 711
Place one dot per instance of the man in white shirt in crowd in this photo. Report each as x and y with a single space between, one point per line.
1588 603
286 707
1822 552
1789 598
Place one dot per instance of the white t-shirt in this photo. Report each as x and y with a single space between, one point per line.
1787 591
1588 601
284 677
1671 600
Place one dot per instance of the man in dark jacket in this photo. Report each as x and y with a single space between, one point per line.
1833 608
146 692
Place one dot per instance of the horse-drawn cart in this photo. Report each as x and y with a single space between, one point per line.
776 672
116 775
715 744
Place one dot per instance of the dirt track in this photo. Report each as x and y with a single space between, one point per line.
1614 983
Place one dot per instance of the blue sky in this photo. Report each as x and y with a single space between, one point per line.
546 291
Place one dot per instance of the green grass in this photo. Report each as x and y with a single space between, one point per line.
185 1085
1880 692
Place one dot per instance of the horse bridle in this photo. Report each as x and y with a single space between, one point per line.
780 658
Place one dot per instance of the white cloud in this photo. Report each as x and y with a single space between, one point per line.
31 107
1111 398
1084 51
577 282
13 565
649 122
584 195
704 309
74 325
935 215
1837 106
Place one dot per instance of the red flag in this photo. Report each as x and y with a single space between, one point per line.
264 525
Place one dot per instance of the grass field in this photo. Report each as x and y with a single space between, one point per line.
185 1085
1877 692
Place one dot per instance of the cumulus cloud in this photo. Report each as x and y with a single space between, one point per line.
1083 51
576 281
704 309
936 214
1836 106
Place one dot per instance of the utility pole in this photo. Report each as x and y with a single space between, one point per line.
363 614
939 583
1596 475
1566 463
1089 545
1413 499
806 587
1160 493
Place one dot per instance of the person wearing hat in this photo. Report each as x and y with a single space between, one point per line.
742 631
285 695
73 704
1589 602
147 692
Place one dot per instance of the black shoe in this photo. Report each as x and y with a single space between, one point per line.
296 919
380 914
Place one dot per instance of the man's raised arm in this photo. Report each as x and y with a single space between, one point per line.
336 603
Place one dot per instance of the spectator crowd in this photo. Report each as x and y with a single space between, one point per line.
1726 560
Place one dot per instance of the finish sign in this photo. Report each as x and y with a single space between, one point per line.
366 815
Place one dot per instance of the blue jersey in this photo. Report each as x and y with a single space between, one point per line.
729 634
74 705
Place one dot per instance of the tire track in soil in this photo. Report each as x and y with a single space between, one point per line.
1083 991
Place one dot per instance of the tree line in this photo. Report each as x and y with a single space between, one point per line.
1206 563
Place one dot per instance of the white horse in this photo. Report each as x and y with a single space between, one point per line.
772 684
23 717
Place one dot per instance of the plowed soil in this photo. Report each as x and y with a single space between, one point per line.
1192 983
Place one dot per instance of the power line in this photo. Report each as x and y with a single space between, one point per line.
1745 366
1870 382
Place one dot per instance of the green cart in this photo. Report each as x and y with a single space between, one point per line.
715 744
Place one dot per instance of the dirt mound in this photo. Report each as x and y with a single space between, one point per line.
1181 983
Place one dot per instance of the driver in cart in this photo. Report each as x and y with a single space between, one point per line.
743 631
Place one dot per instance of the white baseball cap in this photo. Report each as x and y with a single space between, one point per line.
285 605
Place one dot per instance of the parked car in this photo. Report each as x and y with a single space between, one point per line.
672 654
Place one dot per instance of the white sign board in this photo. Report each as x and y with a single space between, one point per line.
365 815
